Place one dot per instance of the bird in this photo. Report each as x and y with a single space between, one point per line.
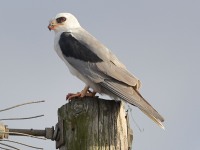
94 64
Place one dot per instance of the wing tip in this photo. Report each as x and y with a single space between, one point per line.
161 125
157 121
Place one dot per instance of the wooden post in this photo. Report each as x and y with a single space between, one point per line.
93 124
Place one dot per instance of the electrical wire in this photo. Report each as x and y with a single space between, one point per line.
21 144
18 133
141 130
22 105
4 148
24 118
9 146
23 134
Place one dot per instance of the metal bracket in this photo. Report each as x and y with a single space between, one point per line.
58 135
49 132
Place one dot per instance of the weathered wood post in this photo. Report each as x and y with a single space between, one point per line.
93 124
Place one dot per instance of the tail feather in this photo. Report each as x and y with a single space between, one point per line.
157 121
133 97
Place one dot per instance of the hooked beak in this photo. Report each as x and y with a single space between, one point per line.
49 27
52 25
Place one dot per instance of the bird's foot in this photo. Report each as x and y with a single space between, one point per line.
73 95
70 96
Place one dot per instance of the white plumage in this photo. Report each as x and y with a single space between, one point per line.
96 65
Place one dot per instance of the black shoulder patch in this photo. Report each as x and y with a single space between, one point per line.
71 47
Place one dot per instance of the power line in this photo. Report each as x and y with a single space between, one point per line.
4 148
23 134
24 118
22 144
22 105
9 146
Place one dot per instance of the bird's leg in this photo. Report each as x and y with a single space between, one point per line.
90 93
83 93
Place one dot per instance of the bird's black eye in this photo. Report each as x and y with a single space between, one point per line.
60 20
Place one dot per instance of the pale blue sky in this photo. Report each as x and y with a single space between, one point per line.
158 41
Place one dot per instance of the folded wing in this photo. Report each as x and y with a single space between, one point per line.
103 68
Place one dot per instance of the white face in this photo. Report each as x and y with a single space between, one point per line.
63 22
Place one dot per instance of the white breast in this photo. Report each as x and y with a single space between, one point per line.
71 68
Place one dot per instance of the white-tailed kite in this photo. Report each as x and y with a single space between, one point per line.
96 65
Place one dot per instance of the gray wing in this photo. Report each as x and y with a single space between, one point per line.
110 64
121 83
95 46
94 61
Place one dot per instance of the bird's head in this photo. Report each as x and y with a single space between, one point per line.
63 22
